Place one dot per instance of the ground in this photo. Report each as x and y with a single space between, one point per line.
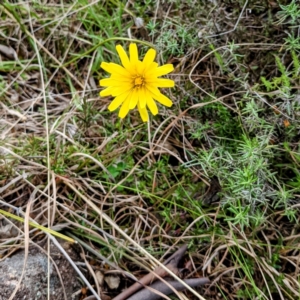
218 171
34 284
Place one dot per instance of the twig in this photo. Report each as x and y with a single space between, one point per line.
148 294
146 280
171 263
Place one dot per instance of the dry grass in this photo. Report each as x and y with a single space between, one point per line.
130 193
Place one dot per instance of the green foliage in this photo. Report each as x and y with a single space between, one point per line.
172 39
296 64
247 178
240 215
219 58
116 169
290 13
222 121
284 79
283 82
270 86
292 42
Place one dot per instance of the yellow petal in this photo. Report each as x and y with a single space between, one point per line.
161 82
106 92
105 82
152 106
124 108
133 99
113 68
162 70
118 90
149 57
133 53
118 101
163 100
142 97
139 67
151 68
152 89
111 82
143 113
121 78
123 56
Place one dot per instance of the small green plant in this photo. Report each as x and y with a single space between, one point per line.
116 169
290 13
296 63
172 38
283 82
240 215
292 42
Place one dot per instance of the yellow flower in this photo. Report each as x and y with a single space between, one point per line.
136 83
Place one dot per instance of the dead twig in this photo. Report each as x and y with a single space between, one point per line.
148 294
172 264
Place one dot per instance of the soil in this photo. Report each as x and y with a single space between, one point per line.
34 282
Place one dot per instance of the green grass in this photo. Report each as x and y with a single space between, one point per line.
148 181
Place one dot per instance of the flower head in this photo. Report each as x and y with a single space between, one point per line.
136 82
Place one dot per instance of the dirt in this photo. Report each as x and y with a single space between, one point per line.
34 283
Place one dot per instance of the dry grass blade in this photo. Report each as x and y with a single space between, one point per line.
26 247
141 249
97 162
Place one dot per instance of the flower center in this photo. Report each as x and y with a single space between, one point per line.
138 81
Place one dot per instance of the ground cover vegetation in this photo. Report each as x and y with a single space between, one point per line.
218 171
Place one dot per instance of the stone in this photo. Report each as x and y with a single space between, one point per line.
34 282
